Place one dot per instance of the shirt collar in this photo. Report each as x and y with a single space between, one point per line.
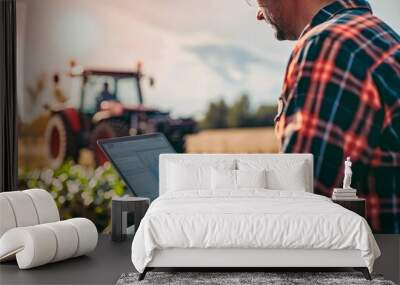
334 8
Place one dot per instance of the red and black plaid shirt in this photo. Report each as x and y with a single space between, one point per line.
341 97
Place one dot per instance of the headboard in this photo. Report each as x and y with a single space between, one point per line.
165 158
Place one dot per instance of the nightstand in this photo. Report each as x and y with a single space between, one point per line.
356 205
120 209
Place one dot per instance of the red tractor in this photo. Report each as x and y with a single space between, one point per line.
111 105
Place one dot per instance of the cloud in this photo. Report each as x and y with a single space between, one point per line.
230 61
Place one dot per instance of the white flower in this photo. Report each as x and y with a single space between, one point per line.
73 186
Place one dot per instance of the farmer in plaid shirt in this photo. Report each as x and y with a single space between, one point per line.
341 97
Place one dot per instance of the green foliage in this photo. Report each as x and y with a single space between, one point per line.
265 114
216 116
238 115
78 191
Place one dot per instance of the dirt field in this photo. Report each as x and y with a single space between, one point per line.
252 140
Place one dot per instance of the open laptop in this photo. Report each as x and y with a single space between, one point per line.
136 160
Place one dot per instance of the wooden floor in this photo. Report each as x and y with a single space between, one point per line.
103 266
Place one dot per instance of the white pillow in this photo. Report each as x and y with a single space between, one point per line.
251 179
281 174
237 179
223 179
294 180
187 175
183 178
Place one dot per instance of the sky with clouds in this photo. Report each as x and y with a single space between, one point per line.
198 51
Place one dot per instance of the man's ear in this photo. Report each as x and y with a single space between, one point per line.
260 15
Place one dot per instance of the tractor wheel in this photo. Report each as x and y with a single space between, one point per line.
61 142
106 130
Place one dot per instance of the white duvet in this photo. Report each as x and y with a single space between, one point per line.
250 219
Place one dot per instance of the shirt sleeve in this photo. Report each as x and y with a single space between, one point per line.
330 111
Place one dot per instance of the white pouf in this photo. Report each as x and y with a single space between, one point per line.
46 208
7 219
31 231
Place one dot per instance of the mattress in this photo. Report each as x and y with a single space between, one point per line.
250 219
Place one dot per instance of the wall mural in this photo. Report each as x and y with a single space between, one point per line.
209 80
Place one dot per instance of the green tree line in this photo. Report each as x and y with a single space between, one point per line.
239 114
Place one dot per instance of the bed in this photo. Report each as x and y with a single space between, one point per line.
247 211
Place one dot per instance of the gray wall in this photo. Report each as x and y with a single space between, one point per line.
389 262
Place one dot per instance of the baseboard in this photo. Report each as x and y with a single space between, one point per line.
389 262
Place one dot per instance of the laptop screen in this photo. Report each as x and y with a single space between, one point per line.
136 160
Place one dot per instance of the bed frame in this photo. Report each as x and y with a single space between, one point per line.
249 259
246 259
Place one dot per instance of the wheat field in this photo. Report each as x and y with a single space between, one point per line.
32 149
250 140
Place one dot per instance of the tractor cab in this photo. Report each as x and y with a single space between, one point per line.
99 86
111 104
